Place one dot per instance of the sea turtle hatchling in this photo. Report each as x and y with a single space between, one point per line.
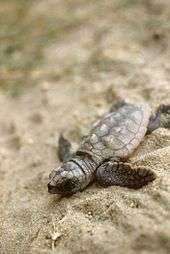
103 153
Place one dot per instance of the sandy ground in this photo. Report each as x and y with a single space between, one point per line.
113 50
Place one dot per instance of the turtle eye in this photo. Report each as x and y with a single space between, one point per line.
52 174
68 185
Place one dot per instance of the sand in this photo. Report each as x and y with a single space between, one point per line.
119 50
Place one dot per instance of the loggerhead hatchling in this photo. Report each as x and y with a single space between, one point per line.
103 153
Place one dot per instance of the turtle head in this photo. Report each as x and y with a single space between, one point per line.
63 180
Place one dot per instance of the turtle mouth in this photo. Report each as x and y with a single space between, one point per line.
52 189
65 188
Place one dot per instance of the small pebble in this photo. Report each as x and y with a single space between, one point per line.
45 86
30 141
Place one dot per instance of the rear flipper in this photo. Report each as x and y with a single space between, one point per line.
161 119
123 174
117 105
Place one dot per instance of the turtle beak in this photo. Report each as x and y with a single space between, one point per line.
52 187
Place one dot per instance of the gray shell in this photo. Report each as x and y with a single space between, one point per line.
118 133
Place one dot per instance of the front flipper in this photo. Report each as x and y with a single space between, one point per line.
64 149
160 119
123 174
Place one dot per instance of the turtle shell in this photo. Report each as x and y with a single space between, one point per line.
118 133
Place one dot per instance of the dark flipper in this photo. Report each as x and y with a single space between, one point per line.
117 105
161 119
123 174
64 149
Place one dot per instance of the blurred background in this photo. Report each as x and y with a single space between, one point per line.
62 64
90 40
